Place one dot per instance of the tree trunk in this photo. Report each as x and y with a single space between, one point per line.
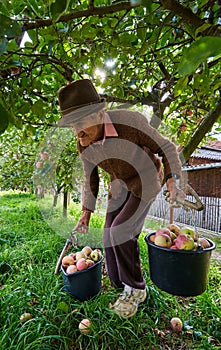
65 203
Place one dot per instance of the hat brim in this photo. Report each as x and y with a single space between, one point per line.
78 114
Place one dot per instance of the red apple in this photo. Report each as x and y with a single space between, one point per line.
39 165
162 230
71 269
152 238
163 240
174 247
204 243
84 326
73 255
184 242
44 155
81 264
176 324
67 260
90 262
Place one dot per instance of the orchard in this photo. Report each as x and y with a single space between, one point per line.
161 58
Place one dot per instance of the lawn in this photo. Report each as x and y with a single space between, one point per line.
29 251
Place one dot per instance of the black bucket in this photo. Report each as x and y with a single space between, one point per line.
179 272
84 284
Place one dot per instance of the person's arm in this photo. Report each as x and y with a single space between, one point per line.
166 149
89 196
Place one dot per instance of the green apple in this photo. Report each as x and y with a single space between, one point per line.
188 231
95 255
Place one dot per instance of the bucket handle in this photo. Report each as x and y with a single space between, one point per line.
197 205
72 241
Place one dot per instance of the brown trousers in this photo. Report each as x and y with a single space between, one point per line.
124 222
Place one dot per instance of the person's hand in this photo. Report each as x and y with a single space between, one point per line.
174 191
83 222
116 188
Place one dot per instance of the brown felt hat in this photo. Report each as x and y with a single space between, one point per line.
77 100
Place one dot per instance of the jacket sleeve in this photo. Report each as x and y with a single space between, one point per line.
151 138
91 185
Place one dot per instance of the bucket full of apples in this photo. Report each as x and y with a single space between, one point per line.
179 260
81 269
82 272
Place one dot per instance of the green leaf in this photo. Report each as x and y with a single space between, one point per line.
4 119
9 27
197 53
37 107
180 86
58 8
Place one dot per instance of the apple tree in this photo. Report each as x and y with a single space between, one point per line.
163 55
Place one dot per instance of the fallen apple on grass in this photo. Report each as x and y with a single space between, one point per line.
25 317
176 324
84 326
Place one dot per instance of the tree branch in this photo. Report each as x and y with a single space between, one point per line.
189 17
200 132
91 11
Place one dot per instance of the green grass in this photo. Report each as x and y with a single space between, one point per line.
28 256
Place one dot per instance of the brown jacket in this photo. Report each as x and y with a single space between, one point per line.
134 157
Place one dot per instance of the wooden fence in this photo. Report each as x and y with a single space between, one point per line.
209 218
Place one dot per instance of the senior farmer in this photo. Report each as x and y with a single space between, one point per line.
137 158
